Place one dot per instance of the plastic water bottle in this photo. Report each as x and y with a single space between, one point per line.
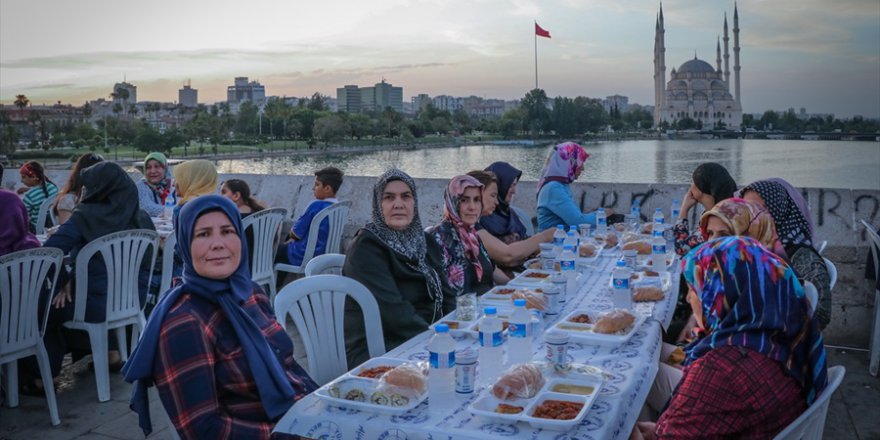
548 256
558 238
674 211
537 324
519 334
636 212
560 286
441 378
601 222
621 295
658 222
491 357
568 267
571 238
168 213
658 253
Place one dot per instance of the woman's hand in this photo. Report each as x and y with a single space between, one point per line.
547 235
62 298
686 205
647 429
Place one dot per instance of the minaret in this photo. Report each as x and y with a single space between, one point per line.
718 56
656 72
726 54
661 56
736 53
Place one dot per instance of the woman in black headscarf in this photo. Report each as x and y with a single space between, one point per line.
400 264
711 184
109 204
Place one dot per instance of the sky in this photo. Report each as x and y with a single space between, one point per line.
821 55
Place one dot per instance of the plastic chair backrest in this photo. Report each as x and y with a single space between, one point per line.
811 424
822 246
832 272
43 213
122 252
336 215
327 264
525 219
812 295
22 280
168 251
317 306
265 225
875 246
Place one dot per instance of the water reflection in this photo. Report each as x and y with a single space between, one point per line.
832 164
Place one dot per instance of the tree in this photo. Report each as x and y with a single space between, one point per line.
21 101
330 128
317 102
360 125
564 117
769 120
462 120
537 115
246 124
87 110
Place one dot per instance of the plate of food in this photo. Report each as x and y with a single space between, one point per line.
534 296
613 327
608 241
534 394
393 391
531 278
589 251
646 262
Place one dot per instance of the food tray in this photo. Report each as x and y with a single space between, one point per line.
335 391
585 331
529 280
484 406
645 262
468 328
664 280
504 294
374 362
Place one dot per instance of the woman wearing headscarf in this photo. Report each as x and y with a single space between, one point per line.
222 364
14 235
791 215
711 184
155 186
762 361
400 264
108 205
194 178
555 200
736 216
467 264
503 221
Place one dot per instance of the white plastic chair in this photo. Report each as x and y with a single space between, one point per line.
525 219
317 306
43 213
822 246
122 253
327 264
336 215
812 294
874 362
265 226
167 265
23 277
832 272
811 424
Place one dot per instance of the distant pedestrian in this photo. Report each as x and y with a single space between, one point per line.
37 189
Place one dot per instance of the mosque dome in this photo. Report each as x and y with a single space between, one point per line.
696 66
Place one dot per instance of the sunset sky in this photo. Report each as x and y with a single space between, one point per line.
817 54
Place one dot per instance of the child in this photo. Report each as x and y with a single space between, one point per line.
240 193
327 182
37 189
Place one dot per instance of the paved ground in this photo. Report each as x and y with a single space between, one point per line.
853 414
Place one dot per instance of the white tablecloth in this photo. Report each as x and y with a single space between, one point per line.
631 368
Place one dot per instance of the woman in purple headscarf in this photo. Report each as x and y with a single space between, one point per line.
792 216
14 235
555 200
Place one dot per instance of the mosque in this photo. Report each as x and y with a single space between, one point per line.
696 89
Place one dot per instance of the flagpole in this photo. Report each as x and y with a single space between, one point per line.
536 55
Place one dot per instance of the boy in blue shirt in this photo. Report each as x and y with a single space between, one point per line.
327 182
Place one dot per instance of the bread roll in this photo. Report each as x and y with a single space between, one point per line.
588 250
614 321
406 377
523 381
648 293
641 246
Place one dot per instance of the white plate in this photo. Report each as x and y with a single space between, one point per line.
347 383
495 295
525 280
464 327
585 331
664 280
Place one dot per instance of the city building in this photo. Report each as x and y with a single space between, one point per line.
621 103
446 102
348 99
697 90
124 93
245 91
188 96
419 102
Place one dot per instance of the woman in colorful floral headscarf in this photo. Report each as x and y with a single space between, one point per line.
555 200
737 216
792 218
468 266
763 360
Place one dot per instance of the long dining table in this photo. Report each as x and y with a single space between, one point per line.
629 369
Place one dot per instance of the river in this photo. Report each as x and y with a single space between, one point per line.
825 164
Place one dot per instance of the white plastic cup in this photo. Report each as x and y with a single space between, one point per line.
557 348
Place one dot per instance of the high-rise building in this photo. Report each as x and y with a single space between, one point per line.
243 90
124 93
616 101
348 99
419 102
188 96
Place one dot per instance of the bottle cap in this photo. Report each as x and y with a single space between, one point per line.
556 337
560 227
441 328
489 311
621 263
546 246
519 302
658 210
675 201
568 247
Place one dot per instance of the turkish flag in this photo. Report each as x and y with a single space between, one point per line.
539 31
